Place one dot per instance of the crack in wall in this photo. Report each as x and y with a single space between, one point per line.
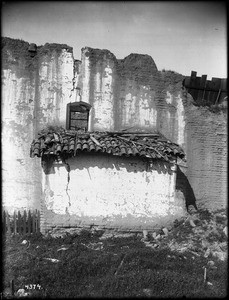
67 166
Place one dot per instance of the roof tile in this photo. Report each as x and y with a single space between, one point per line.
152 146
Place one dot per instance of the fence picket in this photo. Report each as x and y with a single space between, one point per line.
33 221
8 223
15 223
4 222
24 222
206 92
29 222
21 223
38 223
202 87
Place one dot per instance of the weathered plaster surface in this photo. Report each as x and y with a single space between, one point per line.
207 156
21 186
123 94
130 93
110 191
85 75
181 122
55 85
103 102
97 87
35 96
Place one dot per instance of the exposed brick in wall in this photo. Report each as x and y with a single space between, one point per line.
207 156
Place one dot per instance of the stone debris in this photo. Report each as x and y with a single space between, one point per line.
154 235
207 253
211 264
59 232
192 223
108 235
94 246
22 293
62 249
24 242
31 293
147 292
202 233
192 210
158 237
145 234
151 244
165 230
220 255
206 237
169 228
52 260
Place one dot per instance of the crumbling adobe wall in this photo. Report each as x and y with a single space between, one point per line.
36 88
131 93
207 156
111 192
127 93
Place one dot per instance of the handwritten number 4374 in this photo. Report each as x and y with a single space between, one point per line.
32 286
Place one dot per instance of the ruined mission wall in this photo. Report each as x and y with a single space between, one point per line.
129 93
36 86
207 156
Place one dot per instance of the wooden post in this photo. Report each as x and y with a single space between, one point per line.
19 223
29 222
38 224
201 93
196 90
217 99
192 85
8 223
4 222
35 216
223 88
24 222
15 223
216 82
12 287
34 222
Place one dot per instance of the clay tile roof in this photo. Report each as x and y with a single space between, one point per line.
70 143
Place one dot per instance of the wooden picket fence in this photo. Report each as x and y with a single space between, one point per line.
21 223
206 92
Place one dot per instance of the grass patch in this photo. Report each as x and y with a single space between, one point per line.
113 267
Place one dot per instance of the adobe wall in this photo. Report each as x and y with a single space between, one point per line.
207 156
35 92
110 192
131 93
128 93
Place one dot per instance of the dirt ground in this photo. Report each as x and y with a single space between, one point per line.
188 259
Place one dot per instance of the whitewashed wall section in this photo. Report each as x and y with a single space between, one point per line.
56 84
111 191
85 74
21 188
174 122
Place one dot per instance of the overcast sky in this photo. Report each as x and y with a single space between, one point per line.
180 36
